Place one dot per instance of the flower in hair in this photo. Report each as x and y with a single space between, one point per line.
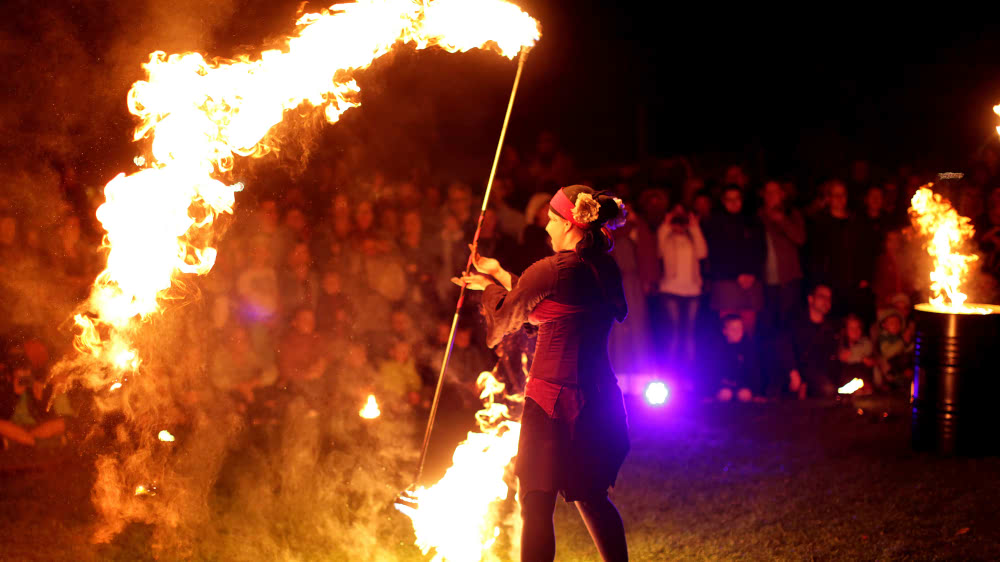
618 221
586 209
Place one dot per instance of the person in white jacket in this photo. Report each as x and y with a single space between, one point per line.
681 246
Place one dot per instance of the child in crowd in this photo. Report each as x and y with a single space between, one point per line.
856 353
398 381
737 366
39 417
895 363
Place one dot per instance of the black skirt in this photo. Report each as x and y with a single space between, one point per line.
579 459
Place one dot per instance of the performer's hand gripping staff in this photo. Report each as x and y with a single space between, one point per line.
407 498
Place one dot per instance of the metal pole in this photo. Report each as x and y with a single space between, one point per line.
468 268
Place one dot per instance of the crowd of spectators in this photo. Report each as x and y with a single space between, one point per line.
744 286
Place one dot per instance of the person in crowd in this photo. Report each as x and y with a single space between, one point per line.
654 204
810 348
334 312
735 363
895 349
856 354
842 252
237 370
874 219
302 359
701 205
297 226
460 206
419 259
737 251
298 283
630 345
269 229
574 436
509 219
70 256
550 164
398 381
736 175
988 236
534 241
681 246
785 232
38 416
894 273
493 242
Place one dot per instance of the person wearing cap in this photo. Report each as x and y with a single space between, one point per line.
574 434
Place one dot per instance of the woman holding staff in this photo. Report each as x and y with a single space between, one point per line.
574 435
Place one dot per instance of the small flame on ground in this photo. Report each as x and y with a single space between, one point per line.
165 436
851 387
453 516
933 215
370 411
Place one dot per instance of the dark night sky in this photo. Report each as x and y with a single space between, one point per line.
809 94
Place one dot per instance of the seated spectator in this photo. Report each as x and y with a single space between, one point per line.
302 358
809 350
38 415
397 379
736 371
298 283
333 311
736 254
856 354
895 354
681 246
238 370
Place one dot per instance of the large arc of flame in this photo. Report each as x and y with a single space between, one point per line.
199 115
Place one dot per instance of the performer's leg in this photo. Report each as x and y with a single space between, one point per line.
606 528
538 534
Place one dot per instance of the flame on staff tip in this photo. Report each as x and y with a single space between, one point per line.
453 517
370 411
198 115
851 387
932 215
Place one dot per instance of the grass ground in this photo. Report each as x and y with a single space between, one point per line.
787 481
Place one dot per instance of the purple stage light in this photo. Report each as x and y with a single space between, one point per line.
656 393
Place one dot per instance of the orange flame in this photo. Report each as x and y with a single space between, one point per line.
198 115
933 216
855 385
454 516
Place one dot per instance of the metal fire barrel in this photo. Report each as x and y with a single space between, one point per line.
956 382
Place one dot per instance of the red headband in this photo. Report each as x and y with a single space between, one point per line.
563 207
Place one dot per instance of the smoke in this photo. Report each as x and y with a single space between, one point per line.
317 483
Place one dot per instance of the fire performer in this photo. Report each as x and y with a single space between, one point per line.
574 435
